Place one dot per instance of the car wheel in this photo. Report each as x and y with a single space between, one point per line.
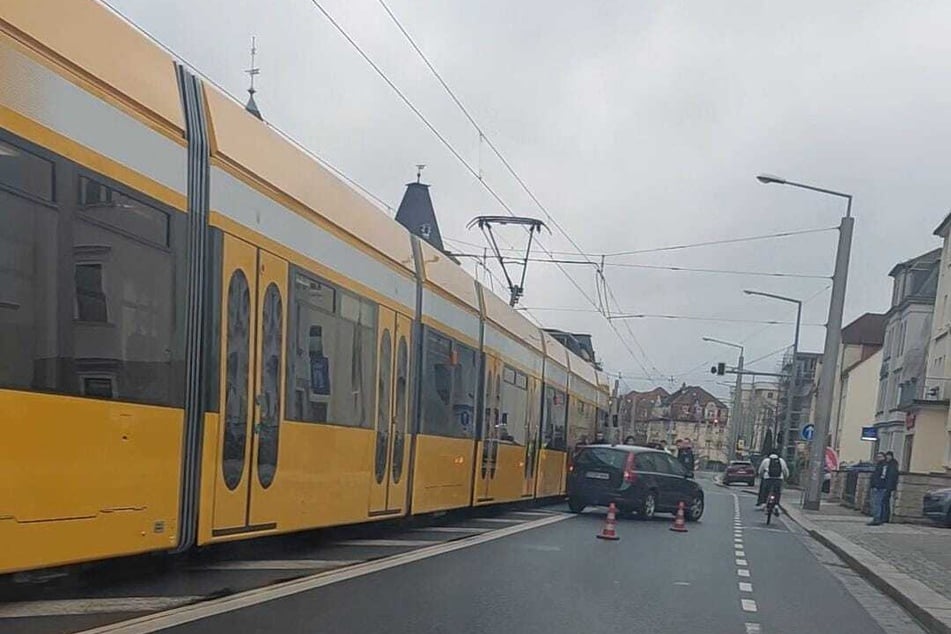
695 510
575 505
648 506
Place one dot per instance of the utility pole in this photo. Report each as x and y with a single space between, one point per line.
736 414
830 354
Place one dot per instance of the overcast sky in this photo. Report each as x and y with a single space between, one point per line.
638 125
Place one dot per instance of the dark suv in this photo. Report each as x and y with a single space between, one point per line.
637 479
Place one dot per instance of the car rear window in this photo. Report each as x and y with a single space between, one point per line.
601 457
741 463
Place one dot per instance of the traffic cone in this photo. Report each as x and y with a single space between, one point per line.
680 525
610 525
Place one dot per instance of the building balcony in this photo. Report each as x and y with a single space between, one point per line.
934 391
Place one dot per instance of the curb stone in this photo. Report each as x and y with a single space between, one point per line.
930 608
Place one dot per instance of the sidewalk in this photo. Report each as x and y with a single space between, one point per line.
910 563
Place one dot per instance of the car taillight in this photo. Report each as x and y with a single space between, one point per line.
630 476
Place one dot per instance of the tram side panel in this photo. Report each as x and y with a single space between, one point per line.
92 298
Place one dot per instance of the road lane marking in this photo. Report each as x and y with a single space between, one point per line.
76 607
205 609
387 542
749 605
530 513
742 562
681 583
499 520
279 564
739 553
746 587
743 572
753 628
451 529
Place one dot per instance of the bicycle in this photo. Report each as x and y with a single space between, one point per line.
771 507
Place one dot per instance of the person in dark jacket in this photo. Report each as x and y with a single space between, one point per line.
877 489
891 485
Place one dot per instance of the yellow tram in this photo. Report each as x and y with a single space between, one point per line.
206 336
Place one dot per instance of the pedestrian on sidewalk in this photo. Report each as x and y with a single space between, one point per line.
877 489
891 485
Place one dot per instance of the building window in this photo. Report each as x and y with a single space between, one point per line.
25 172
90 294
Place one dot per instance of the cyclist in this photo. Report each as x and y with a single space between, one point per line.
773 471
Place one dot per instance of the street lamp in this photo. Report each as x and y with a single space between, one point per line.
794 375
830 353
737 394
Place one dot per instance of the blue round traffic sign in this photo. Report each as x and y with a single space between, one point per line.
807 431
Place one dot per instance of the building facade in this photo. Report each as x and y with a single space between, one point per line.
905 353
856 388
758 428
693 414
801 379
636 410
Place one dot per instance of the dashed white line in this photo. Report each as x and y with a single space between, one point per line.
739 553
753 628
749 605
746 587
742 562
743 572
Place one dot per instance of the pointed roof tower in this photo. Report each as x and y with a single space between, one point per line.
252 106
416 212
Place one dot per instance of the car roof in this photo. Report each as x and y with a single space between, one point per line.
741 462
631 448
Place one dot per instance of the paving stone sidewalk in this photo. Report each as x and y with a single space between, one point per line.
922 552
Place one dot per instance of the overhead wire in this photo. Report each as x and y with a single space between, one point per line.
459 157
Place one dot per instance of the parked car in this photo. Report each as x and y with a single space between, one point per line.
637 479
937 506
740 471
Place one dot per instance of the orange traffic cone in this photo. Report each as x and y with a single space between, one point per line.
680 525
610 525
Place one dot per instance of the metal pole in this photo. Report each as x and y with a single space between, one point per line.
830 355
737 408
793 383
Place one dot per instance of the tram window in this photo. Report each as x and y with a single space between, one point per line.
514 422
86 308
450 380
331 357
25 172
554 417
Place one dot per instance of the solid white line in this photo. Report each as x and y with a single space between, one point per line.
497 520
742 562
279 564
188 614
530 513
451 529
749 605
73 607
743 572
753 628
387 542
746 587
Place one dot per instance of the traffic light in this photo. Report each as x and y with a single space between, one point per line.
719 369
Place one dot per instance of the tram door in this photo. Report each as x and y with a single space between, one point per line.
253 333
391 420
489 441
531 438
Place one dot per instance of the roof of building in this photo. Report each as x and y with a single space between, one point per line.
416 213
944 227
923 260
693 392
869 329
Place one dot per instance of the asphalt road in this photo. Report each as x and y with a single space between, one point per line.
558 579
